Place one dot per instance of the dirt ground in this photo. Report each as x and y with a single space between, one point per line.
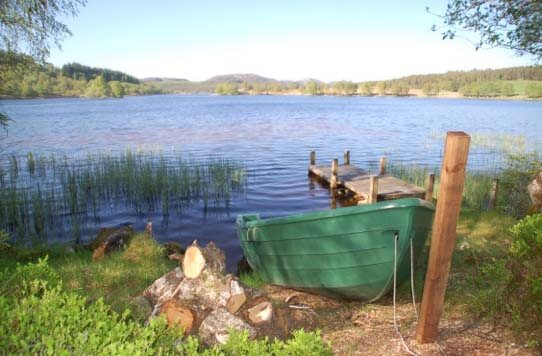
355 328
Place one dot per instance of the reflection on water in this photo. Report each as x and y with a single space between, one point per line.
272 136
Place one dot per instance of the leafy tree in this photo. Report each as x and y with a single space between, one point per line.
311 87
226 89
98 88
512 24
381 87
32 26
366 88
117 90
399 88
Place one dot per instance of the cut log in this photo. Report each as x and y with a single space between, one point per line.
260 313
210 290
164 287
176 257
196 259
178 314
215 328
237 297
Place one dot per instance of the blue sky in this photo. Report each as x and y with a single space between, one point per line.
329 40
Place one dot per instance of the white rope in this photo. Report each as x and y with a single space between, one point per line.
412 279
395 238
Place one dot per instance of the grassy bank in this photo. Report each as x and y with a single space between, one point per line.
53 301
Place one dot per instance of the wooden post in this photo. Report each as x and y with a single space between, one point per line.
313 158
493 194
346 157
452 180
429 187
334 180
373 190
382 166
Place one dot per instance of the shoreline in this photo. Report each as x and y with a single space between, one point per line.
414 93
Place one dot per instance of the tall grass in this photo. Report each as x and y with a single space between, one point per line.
514 176
54 192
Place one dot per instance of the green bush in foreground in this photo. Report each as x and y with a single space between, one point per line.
511 287
40 317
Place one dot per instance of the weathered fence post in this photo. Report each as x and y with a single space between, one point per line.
313 158
430 186
346 157
334 180
493 195
373 190
383 163
452 180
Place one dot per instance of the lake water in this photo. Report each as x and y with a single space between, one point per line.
271 135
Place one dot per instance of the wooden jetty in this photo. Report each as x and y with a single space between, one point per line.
369 188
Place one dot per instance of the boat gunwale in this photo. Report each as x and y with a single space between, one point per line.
340 212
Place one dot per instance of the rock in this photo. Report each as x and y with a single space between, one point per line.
535 193
179 314
110 239
215 328
164 287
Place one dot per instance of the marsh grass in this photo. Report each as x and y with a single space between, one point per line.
55 193
514 174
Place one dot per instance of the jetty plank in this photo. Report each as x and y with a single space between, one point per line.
359 182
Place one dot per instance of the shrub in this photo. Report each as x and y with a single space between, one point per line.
39 316
511 287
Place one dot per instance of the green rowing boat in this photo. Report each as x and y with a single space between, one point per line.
346 252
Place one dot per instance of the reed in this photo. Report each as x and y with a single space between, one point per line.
55 194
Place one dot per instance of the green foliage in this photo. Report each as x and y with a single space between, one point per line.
252 279
312 88
430 89
399 88
22 77
227 89
344 88
527 234
510 288
366 88
78 71
42 315
533 90
98 88
33 26
382 87
512 24
487 89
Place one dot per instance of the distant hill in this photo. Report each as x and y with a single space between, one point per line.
159 79
240 78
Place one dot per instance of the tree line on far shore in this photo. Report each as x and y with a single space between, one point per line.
29 79
507 82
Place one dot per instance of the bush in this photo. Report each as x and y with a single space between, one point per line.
39 316
511 287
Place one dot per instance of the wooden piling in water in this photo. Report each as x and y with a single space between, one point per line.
373 190
429 187
347 158
334 181
493 194
452 181
313 158
383 163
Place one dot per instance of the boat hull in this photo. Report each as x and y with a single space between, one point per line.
346 252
